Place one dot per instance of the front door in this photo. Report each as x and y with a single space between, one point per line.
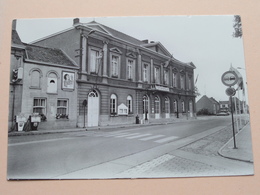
93 109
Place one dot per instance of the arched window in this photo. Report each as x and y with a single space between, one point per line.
167 105
52 83
113 104
183 106
35 79
175 105
145 104
157 105
130 104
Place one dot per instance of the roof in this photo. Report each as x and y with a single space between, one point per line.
15 38
224 102
47 55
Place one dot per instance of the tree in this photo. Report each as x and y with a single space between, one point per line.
237 27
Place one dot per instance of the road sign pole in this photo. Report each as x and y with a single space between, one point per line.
234 137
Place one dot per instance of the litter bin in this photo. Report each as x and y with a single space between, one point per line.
137 120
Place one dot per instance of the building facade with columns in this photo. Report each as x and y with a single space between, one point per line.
121 77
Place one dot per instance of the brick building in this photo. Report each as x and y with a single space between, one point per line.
42 85
121 77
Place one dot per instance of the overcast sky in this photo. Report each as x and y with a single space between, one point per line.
204 40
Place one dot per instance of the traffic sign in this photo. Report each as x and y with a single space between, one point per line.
230 91
229 78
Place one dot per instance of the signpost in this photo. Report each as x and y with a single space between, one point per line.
230 78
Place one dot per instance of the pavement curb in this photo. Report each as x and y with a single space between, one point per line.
226 144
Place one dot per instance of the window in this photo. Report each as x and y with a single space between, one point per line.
182 81
166 77
145 73
39 105
167 105
145 104
157 75
175 106
130 69
35 79
52 85
94 61
113 104
115 65
62 106
183 106
130 104
157 105
189 83
174 79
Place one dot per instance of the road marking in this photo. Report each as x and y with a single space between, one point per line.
152 137
137 136
128 135
39 141
115 134
166 139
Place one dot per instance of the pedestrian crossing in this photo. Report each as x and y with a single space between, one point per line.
159 138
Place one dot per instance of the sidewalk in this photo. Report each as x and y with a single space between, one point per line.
243 152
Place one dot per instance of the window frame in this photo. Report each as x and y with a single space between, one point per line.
113 104
43 107
118 56
129 103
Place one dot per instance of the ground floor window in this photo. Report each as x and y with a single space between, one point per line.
62 108
183 106
130 104
39 105
113 104
175 106
167 105
157 105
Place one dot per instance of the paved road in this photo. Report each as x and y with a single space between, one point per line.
49 156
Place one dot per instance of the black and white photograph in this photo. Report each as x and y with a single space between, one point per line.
128 97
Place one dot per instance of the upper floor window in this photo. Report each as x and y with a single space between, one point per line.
157 75
35 79
113 104
145 73
115 64
130 104
52 83
166 77
189 83
94 61
182 82
130 66
39 105
174 79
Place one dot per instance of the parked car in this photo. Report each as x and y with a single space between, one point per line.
222 114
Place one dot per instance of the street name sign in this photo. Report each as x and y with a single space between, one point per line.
229 78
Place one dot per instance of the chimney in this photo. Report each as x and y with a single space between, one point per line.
75 21
14 24
145 41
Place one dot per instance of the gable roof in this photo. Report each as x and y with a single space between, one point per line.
48 55
15 38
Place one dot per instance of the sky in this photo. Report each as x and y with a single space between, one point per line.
206 41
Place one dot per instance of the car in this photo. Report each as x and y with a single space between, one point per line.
222 114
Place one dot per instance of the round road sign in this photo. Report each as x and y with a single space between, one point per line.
230 91
229 78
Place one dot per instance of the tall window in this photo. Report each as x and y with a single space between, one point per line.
182 82
175 106
157 105
145 104
189 83
39 105
94 60
35 79
166 77
183 106
145 73
113 104
167 105
115 65
62 106
130 69
130 104
157 75
174 79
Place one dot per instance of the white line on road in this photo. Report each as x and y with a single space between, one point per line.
128 135
40 141
152 137
137 136
166 139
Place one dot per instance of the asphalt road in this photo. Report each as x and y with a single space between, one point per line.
48 156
